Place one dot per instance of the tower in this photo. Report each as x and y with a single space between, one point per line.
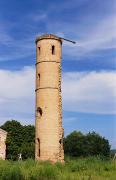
49 131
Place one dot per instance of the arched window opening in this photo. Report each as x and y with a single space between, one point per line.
39 111
38 146
60 141
38 79
53 49
39 50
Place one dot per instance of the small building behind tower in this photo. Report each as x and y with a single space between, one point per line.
3 135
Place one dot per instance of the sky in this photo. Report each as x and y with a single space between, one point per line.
88 67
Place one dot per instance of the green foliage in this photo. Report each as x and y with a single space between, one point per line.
77 144
20 139
93 168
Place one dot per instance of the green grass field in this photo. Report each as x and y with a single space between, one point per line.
77 169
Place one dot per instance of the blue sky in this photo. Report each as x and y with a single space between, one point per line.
88 67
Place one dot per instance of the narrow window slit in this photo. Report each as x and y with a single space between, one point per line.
38 143
53 49
38 79
39 49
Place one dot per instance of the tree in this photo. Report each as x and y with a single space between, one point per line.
19 139
97 145
77 144
28 146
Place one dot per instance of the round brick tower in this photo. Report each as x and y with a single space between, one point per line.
49 131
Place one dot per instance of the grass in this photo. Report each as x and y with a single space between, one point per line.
74 169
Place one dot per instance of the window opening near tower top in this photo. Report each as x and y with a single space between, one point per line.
53 49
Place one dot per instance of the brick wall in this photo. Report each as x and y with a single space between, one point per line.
3 135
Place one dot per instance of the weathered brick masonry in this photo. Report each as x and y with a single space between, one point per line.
49 131
3 135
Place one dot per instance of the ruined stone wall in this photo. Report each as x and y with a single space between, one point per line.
3 135
61 130
49 131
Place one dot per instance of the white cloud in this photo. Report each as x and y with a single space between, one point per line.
90 92
90 36
16 48
17 94
38 16
5 37
93 92
101 36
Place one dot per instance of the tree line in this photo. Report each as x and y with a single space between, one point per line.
91 144
21 139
